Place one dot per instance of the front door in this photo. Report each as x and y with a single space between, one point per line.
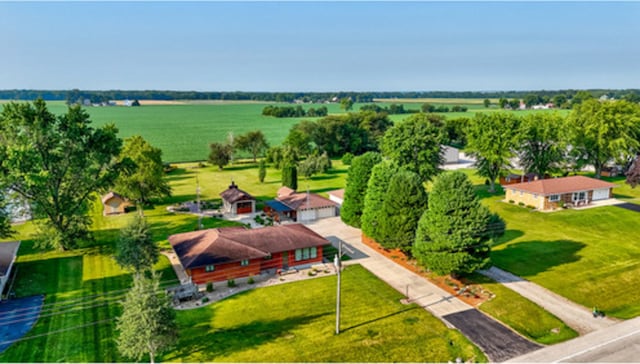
285 260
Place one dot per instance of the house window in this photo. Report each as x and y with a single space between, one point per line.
306 253
554 198
579 196
209 268
244 262
268 257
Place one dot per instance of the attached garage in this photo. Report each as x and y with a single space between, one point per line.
601 194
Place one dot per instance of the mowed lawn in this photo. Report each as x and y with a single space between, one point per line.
83 290
295 322
589 256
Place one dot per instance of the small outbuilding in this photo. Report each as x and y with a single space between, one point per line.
549 194
8 254
451 154
237 201
114 203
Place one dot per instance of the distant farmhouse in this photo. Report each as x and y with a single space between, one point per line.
221 254
114 203
553 193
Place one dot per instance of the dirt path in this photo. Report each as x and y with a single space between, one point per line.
576 316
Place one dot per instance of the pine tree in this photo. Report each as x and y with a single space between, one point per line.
404 202
148 322
454 234
290 176
354 193
377 186
262 170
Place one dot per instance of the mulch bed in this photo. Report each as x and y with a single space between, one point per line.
473 295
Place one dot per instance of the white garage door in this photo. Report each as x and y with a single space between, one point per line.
601 194
326 212
307 215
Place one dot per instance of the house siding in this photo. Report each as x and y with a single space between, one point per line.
234 270
114 205
526 198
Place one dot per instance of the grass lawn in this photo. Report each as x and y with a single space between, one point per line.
588 256
296 322
522 315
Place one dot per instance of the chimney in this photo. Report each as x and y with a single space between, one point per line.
233 185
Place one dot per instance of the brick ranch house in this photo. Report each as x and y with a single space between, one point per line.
220 254
300 206
237 201
550 194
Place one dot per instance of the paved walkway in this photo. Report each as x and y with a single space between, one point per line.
576 316
424 293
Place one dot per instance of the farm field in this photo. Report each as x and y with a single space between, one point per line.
184 131
296 322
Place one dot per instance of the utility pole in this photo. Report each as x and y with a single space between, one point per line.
337 261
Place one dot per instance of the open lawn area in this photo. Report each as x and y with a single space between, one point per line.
589 256
295 322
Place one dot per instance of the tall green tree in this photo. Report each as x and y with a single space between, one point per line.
56 164
136 250
404 202
220 154
454 233
377 187
262 170
290 176
541 145
144 179
487 103
415 144
253 142
346 103
357 179
601 132
490 140
147 325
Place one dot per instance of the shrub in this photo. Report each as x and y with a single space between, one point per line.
311 273
521 204
231 283
251 280
210 287
511 201
205 299
347 158
531 207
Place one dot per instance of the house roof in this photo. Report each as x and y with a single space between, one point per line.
337 193
232 244
111 195
8 252
554 186
306 201
233 194
278 206
285 191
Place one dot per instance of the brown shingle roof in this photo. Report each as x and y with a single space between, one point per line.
299 201
234 194
285 191
111 195
554 186
232 244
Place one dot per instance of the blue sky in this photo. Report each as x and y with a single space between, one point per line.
320 46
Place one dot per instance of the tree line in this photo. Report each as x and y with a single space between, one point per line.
294 112
307 97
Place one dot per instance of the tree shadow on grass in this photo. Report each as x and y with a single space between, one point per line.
53 275
378 319
210 343
528 258
508 236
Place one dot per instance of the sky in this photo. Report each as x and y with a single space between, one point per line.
320 46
